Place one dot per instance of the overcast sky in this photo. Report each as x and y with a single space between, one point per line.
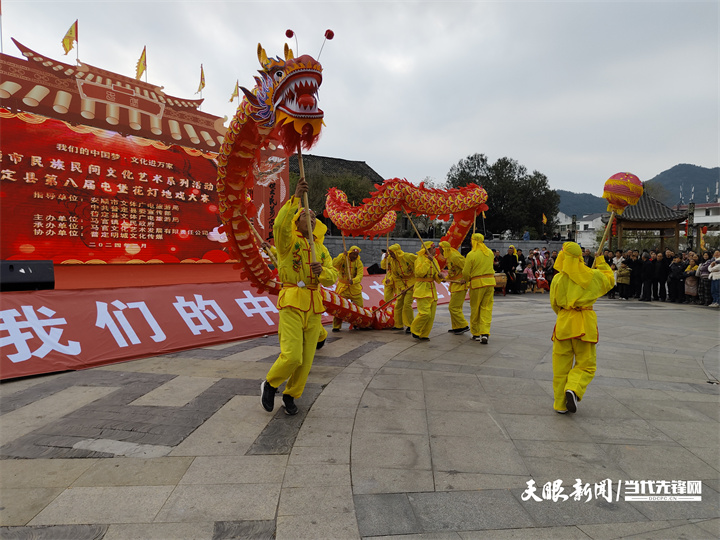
575 90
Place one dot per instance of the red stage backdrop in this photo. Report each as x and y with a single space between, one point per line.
48 331
78 193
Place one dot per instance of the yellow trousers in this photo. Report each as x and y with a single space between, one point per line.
455 307
481 306
569 377
298 332
404 313
388 292
423 321
357 300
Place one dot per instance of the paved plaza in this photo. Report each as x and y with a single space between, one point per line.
443 439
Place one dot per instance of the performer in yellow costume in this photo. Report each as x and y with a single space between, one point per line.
480 276
401 267
350 275
572 294
300 302
455 263
427 274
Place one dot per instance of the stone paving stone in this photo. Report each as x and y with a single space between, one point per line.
225 502
391 421
689 433
338 526
47 411
316 475
247 530
177 392
367 479
462 423
612 531
398 451
20 505
534 533
316 455
707 508
160 531
30 473
469 455
316 499
658 462
104 505
543 428
460 481
392 399
547 513
235 470
626 432
385 514
166 471
468 510
55 532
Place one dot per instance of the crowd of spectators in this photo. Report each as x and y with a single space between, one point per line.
648 276
682 278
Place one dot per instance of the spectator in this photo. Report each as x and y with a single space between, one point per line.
530 275
526 236
588 258
714 269
618 258
624 274
508 264
676 280
660 275
635 265
613 291
691 279
647 272
521 259
704 296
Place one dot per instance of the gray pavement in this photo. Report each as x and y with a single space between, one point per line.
396 438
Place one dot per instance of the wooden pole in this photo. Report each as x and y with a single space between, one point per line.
311 240
393 298
347 257
474 219
260 239
422 242
605 235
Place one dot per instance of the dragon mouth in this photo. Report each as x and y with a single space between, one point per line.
297 95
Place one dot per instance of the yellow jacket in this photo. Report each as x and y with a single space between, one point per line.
402 270
354 285
455 263
478 270
300 287
572 299
427 274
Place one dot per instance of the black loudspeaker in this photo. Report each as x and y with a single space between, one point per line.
26 275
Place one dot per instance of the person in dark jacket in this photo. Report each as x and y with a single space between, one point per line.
676 280
508 264
659 285
635 265
647 272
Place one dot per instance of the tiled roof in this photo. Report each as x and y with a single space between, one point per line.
650 209
328 166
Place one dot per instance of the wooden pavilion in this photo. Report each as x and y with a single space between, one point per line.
649 214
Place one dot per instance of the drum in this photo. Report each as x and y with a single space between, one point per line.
500 280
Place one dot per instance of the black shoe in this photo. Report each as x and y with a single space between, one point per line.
267 396
484 339
320 345
407 330
289 404
459 331
476 338
335 329
571 401
416 336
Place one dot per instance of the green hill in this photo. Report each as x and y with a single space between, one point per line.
666 185
580 204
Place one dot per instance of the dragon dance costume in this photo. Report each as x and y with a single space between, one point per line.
480 276
455 263
349 281
573 292
299 302
427 274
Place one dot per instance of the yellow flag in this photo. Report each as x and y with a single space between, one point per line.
544 219
236 92
70 37
141 65
202 80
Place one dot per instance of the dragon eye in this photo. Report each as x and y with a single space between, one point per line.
278 75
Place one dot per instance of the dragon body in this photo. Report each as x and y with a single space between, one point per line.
282 111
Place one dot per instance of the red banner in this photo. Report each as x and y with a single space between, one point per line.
58 330
78 194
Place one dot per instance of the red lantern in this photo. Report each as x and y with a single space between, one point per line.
704 230
614 227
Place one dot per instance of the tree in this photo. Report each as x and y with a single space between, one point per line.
517 200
